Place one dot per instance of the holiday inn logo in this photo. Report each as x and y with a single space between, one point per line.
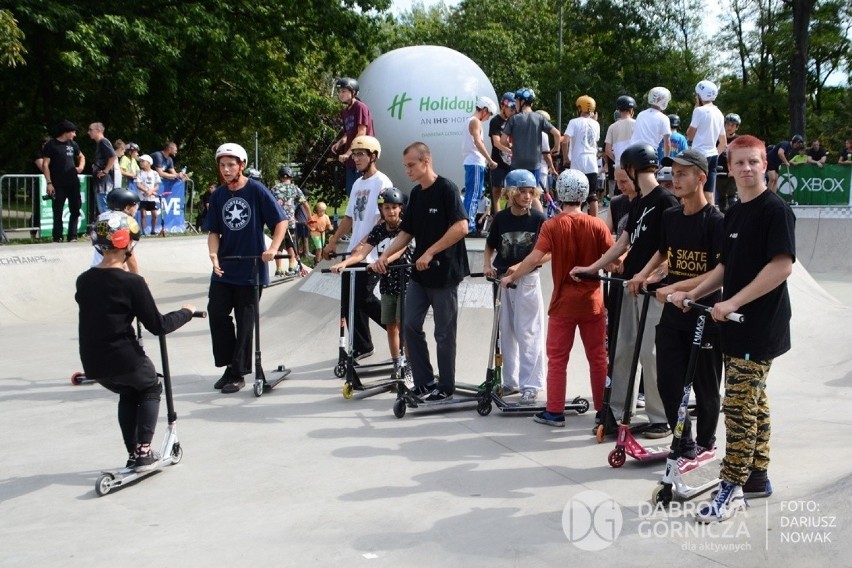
430 104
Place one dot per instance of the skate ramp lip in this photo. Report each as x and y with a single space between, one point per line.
823 237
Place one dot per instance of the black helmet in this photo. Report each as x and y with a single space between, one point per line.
639 156
285 172
625 102
391 195
674 121
347 83
797 138
120 198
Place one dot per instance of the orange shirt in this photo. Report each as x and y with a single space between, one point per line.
574 240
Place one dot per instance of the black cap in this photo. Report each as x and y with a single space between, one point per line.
65 126
688 158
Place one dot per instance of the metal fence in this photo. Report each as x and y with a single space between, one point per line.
20 203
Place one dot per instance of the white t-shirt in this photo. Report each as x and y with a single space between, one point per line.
150 179
651 126
618 135
363 209
709 124
545 149
472 157
584 133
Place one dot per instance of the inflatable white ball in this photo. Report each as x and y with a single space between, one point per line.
423 93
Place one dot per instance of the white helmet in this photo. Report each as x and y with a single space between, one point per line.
659 97
485 102
545 114
707 91
234 150
572 186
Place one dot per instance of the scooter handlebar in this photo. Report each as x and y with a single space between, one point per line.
602 278
199 314
733 316
390 267
253 257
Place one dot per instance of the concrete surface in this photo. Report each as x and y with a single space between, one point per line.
302 477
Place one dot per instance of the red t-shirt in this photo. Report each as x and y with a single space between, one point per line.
574 240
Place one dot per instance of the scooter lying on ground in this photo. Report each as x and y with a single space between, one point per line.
171 451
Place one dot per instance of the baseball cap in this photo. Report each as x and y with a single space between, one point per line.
688 158
146 158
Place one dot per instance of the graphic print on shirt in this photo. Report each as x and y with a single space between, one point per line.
516 244
236 213
640 226
360 206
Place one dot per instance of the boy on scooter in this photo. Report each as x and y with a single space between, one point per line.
110 298
757 257
690 243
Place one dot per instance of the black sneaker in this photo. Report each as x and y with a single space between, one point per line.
146 462
438 395
131 461
227 377
424 390
358 355
656 431
234 386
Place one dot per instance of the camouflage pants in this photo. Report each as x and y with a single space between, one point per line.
746 409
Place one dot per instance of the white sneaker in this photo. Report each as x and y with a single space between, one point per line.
528 397
640 401
728 501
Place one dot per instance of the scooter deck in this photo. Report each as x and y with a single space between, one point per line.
281 280
361 390
696 481
278 375
579 405
641 453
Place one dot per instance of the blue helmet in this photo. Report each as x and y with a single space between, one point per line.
508 96
526 95
520 178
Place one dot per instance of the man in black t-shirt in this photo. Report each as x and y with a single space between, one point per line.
690 245
817 155
640 239
757 257
62 162
500 153
846 154
435 218
102 166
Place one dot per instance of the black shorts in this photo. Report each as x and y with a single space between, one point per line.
148 205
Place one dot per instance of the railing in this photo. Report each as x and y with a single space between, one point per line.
20 204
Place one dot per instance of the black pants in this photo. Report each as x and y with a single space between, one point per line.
673 348
138 403
367 307
75 202
231 346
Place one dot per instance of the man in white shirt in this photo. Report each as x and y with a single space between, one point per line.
580 146
476 158
706 132
652 125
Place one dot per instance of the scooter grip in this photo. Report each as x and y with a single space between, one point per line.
199 314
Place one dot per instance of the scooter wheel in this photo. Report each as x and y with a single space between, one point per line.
104 484
584 405
258 388
340 370
661 495
617 457
399 408
177 453
78 378
484 408
347 390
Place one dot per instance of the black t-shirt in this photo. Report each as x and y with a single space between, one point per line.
513 237
429 214
103 152
772 158
109 300
495 128
619 207
846 155
755 232
817 154
381 237
63 162
693 245
644 223
722 163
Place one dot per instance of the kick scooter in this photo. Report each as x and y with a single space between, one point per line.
350 370
494 373
171 451
261 382
342 349
684 479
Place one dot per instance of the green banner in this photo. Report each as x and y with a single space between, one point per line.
47 208
811 185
